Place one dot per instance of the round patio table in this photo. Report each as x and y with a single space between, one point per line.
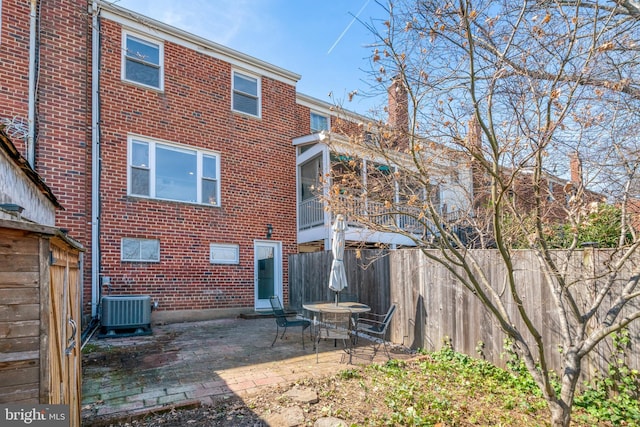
320 306
330 306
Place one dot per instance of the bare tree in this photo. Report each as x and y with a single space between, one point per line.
539 82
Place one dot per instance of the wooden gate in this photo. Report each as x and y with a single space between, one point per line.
65 363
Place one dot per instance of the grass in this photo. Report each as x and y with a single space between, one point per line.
89 348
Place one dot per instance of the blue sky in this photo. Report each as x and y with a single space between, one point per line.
317 39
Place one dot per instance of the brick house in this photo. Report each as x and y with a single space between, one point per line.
178 160
558 195
206 156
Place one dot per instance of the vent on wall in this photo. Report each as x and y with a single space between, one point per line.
126 315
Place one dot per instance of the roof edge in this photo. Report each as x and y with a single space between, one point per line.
202 42
12 152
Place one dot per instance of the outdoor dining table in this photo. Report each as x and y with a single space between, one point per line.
330 306
326 306
320 306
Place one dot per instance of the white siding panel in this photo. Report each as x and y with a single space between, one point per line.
18 189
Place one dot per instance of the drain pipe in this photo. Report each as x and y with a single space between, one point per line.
95 161
94 325
31 136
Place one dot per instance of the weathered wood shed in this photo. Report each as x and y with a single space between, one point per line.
39 314
40 292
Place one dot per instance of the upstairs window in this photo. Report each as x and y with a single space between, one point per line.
319 122
246 94
169 172
142 61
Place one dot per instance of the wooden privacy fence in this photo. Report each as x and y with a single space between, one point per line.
434 306
367 277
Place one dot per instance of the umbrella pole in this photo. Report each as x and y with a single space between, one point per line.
337 293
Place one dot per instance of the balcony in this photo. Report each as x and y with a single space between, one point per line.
311 214
323 158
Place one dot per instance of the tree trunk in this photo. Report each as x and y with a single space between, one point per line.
560 413
561 408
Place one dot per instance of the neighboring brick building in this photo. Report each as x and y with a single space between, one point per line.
558 196
61 98
46 112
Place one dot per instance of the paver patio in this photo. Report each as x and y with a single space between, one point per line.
197 363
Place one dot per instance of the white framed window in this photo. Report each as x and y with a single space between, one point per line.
224 253
139 250
246 94
160 170
142 61
319 122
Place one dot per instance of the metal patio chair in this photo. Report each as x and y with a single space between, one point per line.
282 321
376 326
335 325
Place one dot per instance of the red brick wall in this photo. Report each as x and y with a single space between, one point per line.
62 129
257 179
14 57
303 120
63 147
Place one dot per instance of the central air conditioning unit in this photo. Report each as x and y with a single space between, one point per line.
125 315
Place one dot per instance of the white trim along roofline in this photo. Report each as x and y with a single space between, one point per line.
157 29
328 108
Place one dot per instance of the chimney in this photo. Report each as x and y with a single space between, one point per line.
576 170
474 134
480 185
398 105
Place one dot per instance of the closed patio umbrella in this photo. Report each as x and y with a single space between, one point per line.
338 277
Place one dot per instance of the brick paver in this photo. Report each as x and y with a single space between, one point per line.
184 363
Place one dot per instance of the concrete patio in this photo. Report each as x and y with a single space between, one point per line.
184 364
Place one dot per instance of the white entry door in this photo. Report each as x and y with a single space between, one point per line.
267 272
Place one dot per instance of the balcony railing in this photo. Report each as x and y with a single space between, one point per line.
311 214
394 221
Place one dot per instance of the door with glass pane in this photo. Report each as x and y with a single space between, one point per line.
267 272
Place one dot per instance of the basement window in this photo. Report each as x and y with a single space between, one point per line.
223 253
140 250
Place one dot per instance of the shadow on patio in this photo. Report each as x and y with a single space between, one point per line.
194 363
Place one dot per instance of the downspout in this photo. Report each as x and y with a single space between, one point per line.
31 137
95 162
